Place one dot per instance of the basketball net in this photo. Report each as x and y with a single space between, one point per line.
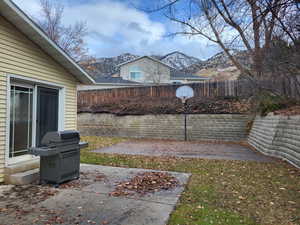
184 99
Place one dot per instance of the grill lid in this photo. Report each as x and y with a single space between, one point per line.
58 137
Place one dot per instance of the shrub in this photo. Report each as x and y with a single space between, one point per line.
268 102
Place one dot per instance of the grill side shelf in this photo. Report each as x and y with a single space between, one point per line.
43 151
83 145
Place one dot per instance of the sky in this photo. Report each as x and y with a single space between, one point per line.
120 26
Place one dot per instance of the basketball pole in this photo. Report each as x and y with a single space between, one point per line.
185 118
184 93
185 128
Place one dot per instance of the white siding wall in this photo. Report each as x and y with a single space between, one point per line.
152 71
20 56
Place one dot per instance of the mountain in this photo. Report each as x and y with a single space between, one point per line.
108 66
221 60
217 67
220 67
179 60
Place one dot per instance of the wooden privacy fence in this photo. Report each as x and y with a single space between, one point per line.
236 88
206 89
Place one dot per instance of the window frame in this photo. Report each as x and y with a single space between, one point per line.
35 83
31 107
139 78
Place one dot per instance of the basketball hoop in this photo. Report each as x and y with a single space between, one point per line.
185 93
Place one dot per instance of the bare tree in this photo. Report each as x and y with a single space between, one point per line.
69 38
155 73
234 25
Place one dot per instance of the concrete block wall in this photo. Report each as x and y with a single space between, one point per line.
277 136
200 127
218 127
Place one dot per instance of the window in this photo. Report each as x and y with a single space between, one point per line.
21 108
135 75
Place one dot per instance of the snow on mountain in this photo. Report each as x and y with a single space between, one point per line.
118 59
221 60
220 67
109 66
179 60
106 67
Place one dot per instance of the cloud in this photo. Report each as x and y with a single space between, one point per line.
30 7
115 28
117 21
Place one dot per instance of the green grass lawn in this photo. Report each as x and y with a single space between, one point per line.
219 191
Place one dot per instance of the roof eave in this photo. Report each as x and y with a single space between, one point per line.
151 58
17 17
118 84
191 78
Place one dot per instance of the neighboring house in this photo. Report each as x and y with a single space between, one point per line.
183 78
38 83
146 70
109 83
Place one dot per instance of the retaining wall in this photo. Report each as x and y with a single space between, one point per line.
277 136
199 127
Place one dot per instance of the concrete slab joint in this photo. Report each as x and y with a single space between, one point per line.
92 203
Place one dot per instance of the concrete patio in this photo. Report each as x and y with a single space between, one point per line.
89 202
205 150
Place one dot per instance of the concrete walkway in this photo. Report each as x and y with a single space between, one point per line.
186 149
90 202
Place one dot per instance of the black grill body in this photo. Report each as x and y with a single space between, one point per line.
59 156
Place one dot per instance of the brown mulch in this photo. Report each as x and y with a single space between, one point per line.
145 183
172 105
291 111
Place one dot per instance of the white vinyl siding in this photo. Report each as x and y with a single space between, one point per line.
147 69
20 56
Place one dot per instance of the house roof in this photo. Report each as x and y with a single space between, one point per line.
114 80
149 57
175 75
19 19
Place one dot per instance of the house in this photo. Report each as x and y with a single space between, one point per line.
146 70
38 89
143 71
184 78
102 83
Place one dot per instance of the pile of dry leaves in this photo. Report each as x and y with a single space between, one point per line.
144 183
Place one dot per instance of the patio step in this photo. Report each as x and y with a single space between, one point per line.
23 178
20 168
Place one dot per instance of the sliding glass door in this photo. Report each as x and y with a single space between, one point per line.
33 112
21 120
47 112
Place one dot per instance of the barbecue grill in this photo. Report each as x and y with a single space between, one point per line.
59 156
